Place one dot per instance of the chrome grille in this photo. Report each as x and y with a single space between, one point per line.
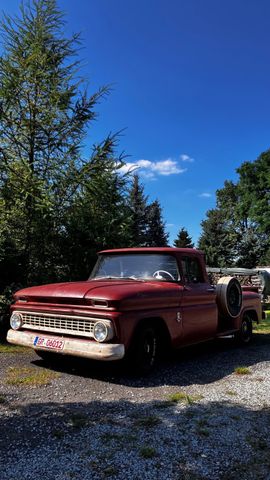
75 325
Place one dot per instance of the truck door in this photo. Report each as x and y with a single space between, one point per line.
198 303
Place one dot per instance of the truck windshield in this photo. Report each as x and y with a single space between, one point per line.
136 266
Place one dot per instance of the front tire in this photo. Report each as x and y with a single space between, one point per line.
244 335
143 352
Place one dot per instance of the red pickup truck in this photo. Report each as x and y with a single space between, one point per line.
136 302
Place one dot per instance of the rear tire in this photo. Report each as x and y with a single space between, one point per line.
244 335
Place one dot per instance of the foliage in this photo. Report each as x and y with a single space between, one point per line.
183 239
44 179
236 232
156 235
138 213
146 224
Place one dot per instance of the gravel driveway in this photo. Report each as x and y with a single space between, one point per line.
194 418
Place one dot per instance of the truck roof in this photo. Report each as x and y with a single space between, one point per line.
154 250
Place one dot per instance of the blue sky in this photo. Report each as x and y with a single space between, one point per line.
191 88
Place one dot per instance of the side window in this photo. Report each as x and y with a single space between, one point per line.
192 270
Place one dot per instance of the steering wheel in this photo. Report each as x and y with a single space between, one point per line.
157 274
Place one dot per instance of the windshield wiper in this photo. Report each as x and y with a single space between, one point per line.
111 277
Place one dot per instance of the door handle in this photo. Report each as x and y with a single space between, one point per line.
210 289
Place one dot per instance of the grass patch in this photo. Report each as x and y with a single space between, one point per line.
110 471
78 420
8 348
58 434
147 422
264 325
203 432
30 376
232 393
183 397
242 371
148 452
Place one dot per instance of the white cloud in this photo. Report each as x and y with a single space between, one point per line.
205 195
150 169
186 158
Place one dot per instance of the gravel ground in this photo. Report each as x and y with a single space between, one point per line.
193 418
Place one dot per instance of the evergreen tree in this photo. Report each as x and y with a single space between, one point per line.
138 213
183 239
217 240
156 233
97 219
44 116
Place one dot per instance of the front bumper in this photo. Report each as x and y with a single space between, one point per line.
78 348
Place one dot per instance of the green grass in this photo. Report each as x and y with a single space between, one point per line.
147 422
8 348
147 452
232 393
264 325
78 420
242 370
30 376
183 397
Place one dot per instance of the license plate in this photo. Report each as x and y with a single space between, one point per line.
51 343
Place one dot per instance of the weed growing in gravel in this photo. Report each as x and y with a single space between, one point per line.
58 434
147 422
7 348
110 471
203 432
2 399
78 420
235 417
231 393
148 452
242 370
257 443
30 376
109 437
182 397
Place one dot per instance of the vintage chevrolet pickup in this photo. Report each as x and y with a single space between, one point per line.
136 302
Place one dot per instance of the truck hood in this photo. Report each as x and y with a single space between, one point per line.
128 292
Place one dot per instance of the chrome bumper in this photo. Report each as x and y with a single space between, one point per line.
78 348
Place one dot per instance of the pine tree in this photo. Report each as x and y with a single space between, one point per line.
183 239
156 233
44 116
217 240
138 213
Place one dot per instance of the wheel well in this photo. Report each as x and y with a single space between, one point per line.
252 315
162 328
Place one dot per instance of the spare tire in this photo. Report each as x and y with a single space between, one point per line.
229 296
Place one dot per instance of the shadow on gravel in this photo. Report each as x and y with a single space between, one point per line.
200 364
124 440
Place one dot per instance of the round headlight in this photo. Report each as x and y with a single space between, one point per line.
100 332
16 320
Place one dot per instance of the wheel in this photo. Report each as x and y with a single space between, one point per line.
158 274
142 355
244 336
